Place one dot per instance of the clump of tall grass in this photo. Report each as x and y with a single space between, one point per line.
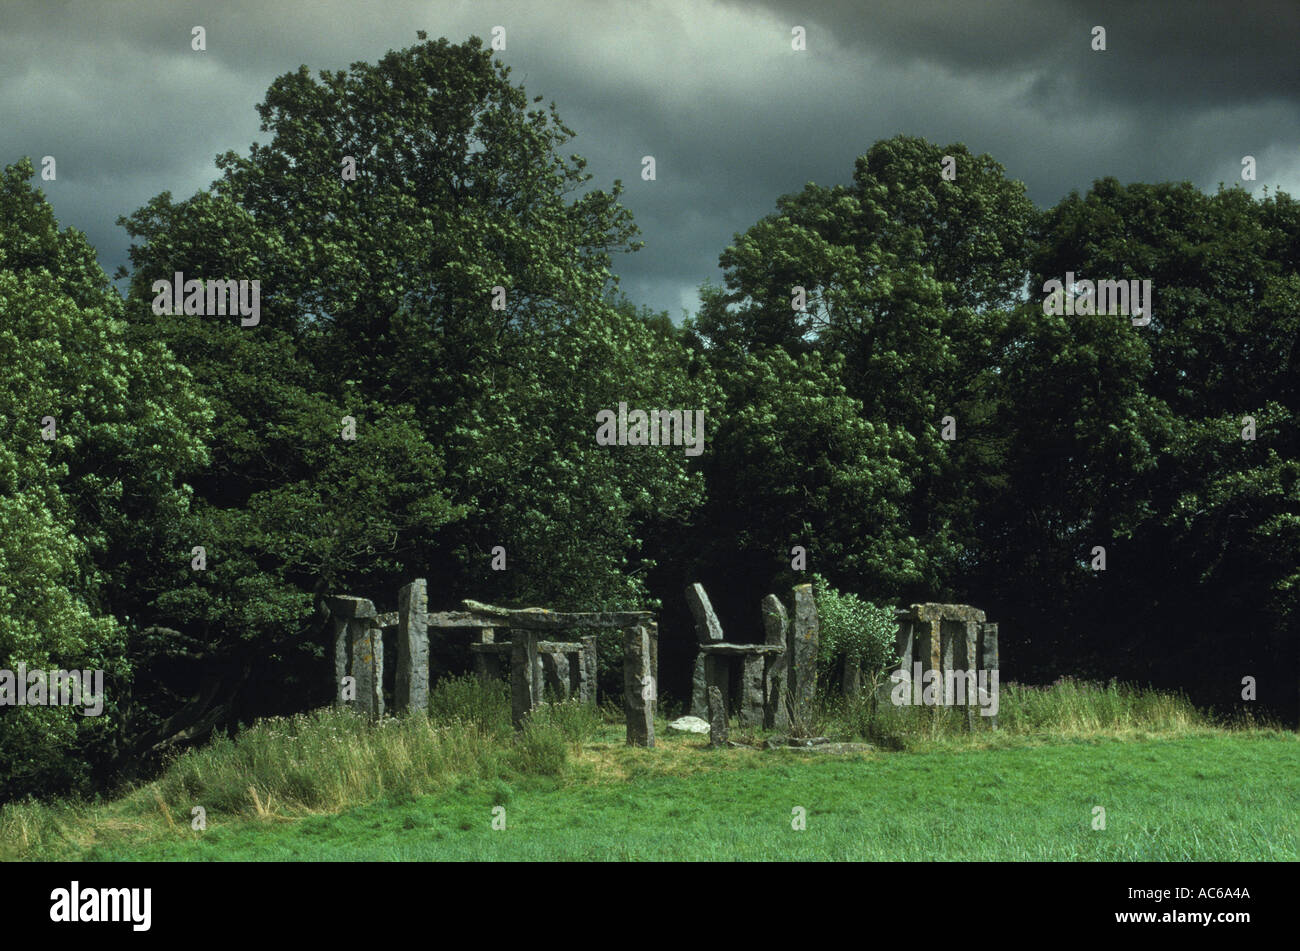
1068 708
467 699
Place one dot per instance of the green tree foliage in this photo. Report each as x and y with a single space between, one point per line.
1131 438
852 627
908 278
79 514
475 425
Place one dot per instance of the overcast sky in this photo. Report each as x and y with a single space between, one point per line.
733 115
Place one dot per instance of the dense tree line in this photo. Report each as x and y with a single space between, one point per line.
474 423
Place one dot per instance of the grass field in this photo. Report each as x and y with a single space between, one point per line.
426 789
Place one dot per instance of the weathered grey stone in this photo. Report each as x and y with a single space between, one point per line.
542 619
836 748
776 673
717 673
926 640
587 683
988 645
958 655
525 675
454 619
340 658
751 692
487 664
652 632
707 626
638 687
412 680
555 670
903 640
934 611
368 667
558 647
699 686
348 607
689 725
717 717
804 638
738 650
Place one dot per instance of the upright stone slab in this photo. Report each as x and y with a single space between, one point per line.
751 690
638 687
804 638
717 718
903 640
487 664
412 680
350 615
587 671
717 673
700 687
340 658
555 670
926 640
957 642
989 659
707 626
368 667
652 632
776 676
525 675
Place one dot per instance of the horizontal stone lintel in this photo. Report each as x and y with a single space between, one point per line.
540 619
933 611
441 619
543 647
721 647
460 619
342 606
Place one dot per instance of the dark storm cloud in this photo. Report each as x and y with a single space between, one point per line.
1203 53
733 116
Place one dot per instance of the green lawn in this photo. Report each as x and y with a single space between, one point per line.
1228 796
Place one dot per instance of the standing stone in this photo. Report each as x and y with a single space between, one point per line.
926 638
638 696
587 671
351 620
717 718
555 668
412 681
776 675
700 686
525 675
487 664
652 631
340 658
989 658
368 667
751 690
803 651
903 641
707 626
717 673
959 682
